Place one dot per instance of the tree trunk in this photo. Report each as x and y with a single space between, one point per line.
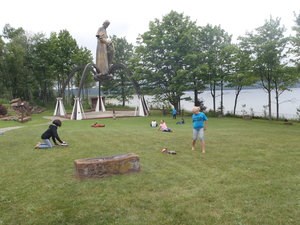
196 101
235 102
277 104
269 103
213 94
222 111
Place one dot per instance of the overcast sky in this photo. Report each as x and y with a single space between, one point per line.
129 18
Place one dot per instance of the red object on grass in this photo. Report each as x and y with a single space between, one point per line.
98 125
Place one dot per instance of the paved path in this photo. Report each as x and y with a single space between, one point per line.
108 114
55 117
97 115
2 130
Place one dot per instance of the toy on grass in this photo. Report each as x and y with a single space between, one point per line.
98 125
153 123
166 151
180 122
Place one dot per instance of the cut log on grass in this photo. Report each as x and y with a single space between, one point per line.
107 166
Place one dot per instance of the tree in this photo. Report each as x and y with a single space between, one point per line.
62 49
284 78
226 67
296 41
63 55
242 75
218 56
121 86
32 65
44 80
268 46
161 56
196 68
80 58
2 67
17 73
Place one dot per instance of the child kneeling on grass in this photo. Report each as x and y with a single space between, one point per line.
51 132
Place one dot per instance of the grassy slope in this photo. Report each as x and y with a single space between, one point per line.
249 175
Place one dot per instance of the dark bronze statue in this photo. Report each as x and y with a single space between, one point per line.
105 50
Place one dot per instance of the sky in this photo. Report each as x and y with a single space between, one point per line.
129 18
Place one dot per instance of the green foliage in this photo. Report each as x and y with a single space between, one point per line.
173 56
161 56
63 49
121 87
219 58
268 48
296 41
31 66
16 72
244 178
242 75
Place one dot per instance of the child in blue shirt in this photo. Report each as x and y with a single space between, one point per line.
174 113
199 125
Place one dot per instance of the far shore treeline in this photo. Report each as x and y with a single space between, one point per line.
175 55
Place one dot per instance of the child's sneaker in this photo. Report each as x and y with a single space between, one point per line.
37 145
193 148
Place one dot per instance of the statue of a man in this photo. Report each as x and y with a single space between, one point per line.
105 50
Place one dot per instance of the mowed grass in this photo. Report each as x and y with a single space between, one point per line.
250 174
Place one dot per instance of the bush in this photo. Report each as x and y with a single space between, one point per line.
212 113
3 110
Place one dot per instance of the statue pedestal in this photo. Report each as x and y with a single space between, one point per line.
100 105
59 108
77 112
142 109
107 166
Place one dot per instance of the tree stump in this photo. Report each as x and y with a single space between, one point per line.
106 166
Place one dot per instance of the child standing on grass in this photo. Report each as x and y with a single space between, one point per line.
199 125
51 132
174 113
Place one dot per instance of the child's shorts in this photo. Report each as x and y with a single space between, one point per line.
198 134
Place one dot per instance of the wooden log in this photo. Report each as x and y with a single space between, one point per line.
16 100
24 119
106 166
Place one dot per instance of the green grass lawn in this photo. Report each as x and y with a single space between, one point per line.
250 174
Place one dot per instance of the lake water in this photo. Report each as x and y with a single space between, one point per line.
252 99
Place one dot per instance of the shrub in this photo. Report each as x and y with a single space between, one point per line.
3 110
212 113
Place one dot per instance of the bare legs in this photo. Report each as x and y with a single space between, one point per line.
193 145
202 145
